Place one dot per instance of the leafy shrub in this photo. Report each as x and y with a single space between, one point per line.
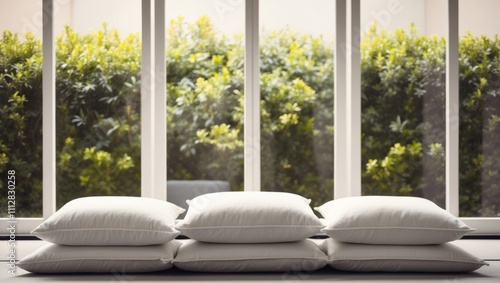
479 125
21 121
403 106
403 115
98 123
205 109
204 106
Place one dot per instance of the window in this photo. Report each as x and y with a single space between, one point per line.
296 97
205 80
98 83
21 106
251 97
403 90
479 55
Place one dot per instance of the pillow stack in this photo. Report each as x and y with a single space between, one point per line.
249 231
394 234
107 234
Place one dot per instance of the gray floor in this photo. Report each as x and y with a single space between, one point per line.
486 249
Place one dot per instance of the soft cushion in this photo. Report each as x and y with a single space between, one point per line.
210 257
53 258
105 221
391 258
249 217
390 220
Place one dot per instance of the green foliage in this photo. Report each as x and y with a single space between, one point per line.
21 121
403 95
479 112
205 109
204 104
403 114
297 115
98 123
397 173
403 89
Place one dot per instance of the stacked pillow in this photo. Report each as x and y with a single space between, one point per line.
107 234
394 234
249 231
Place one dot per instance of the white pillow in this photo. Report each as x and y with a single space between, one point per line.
53 258
249 217
209 257
390 258
390 220
111 221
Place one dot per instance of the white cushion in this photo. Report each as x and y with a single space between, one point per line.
391 258
104 221
249 217
53 258
210 257
390 220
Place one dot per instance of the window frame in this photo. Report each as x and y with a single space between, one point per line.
347 108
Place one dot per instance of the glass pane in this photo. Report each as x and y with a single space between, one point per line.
204 97
21 108
403 90
479 53
98 57
296 64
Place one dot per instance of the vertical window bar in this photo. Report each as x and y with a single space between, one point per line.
452 110
160 103
49 110
353 119
252 97
147 96
340 102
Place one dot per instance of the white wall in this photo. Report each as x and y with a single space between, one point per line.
89 15
21 16
392 14
16 14
308 16
476 16
315 17
480 17
228 16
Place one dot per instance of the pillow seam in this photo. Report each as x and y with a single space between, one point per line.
102 229
94 259
412 259
402 228
255 258
259 226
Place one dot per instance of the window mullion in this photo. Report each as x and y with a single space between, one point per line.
147 99
353 99
340 97
160 103
452 110
49 110
153 101
252 98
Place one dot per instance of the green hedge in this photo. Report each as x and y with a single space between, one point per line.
21 121
403 121
403 95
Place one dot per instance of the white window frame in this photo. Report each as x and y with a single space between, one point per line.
347 109
348 121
